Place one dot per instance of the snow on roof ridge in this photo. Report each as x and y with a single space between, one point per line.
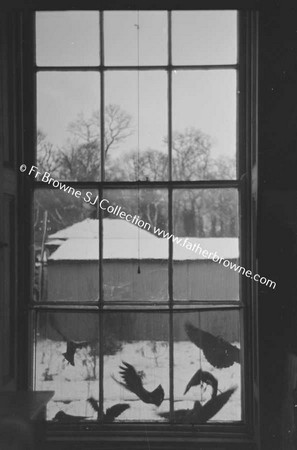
113 228
123 249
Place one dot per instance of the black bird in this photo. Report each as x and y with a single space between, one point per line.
214 405
202 376
185 415
71 349
217 351
111 413
199 413
133 382
72 346
63 417
114 411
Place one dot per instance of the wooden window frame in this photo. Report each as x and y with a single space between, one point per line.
245 433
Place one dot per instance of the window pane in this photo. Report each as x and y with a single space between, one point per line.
135 259
137 341
120 38
205 220
68 38
208 342
66 246
204 37
68 125
121 127
204 125
67 362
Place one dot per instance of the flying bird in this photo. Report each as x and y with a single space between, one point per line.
71 346
218 352
202 376
111 413
185 415
214 405
133 383
199 413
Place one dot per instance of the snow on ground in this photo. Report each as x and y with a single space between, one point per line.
74 384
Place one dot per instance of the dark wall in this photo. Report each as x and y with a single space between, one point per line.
277 226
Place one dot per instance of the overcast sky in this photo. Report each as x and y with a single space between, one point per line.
202 99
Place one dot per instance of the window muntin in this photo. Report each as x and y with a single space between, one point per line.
175 183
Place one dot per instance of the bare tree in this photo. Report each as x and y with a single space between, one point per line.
196 212
47 154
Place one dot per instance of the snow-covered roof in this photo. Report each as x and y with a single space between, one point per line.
55 242
123 240
155 248
113 229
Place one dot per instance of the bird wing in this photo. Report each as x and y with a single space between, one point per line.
217 351
179 415
132 380
209 379
114 411
214 405
93 403
194 381
205 377
70 351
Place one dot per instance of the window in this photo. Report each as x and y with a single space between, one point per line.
142 165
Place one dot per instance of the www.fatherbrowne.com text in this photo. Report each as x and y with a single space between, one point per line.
117 210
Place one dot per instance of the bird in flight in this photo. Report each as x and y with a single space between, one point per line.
199 413
71 346
133 383
111 413
202 376
218 352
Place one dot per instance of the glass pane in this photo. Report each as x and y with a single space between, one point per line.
67 38
205 223
122 129
136 364
135 258
204 37
67 362
66 245
204 125
207 367
120 38
68 125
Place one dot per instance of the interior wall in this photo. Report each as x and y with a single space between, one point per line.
277 225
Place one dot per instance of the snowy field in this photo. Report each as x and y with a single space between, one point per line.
74 384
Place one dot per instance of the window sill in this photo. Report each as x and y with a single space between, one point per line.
150 437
